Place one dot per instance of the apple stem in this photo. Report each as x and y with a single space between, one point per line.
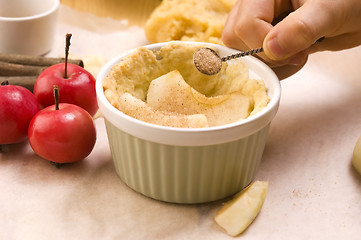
57 165
5 83
67 45
56 96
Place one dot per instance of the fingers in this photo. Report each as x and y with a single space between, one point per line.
283 70
229 37
288 39
340 42
248 23
297 32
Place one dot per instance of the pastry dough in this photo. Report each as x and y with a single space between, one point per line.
208 94
188 20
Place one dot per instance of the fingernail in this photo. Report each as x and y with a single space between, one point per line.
275 50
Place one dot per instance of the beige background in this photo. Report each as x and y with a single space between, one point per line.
314 192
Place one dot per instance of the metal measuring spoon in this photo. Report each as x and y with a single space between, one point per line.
207 61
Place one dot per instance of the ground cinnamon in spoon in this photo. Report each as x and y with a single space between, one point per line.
207 61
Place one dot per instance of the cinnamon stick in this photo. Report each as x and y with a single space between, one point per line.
11 69
24 81
36 60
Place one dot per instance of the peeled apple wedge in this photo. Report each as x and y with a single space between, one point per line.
237 214
356 159
138 109
171 93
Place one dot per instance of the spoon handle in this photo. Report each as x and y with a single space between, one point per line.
253 51
242 54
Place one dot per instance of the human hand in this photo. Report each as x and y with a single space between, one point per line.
288 29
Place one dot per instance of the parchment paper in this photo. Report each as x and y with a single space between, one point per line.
314 192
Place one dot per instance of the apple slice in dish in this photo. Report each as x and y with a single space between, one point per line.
356 159
237 214
138 109
171 93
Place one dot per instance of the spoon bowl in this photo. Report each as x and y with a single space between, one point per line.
208 62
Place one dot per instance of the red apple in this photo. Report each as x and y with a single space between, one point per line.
78 87
64 135
17 107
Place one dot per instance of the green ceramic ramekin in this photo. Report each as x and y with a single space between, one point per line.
182 165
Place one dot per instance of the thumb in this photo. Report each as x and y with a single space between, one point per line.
297 32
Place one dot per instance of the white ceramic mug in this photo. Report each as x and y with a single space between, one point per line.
27 26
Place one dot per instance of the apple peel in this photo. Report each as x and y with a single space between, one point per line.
237 214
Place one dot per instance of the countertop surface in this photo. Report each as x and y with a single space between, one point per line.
314 192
